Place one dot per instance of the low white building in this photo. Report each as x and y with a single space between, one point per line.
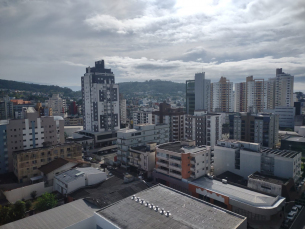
139 136
244 158
75 179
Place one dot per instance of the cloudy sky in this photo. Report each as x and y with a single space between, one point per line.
51 42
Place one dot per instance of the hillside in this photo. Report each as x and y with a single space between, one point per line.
47 89
152 87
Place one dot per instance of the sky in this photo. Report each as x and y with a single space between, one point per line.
52 42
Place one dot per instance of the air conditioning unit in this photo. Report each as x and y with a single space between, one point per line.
224 181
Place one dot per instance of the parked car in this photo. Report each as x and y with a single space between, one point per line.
291 215
298 206
295 209
88 158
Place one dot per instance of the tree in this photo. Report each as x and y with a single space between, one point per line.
46 202
5 215
18 210
33 194
28 205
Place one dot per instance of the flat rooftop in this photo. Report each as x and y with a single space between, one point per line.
46 148
186 212
237 193
177 148
295 139
281 153
267 178
64 216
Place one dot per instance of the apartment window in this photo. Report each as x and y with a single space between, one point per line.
34 168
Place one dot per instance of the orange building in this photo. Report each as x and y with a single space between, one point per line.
20 101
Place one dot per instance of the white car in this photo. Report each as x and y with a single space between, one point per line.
295 209
299 206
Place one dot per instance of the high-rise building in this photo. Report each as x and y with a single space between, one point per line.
57 104
101 109
190 97
6 109
28 133
123 112
255 94
142 117
202 92
270 84
204 128
258 128
240 97
283 89
174 117
223 97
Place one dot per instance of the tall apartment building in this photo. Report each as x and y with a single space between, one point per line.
183 160
244 158
286 116
28 133
255 94
142 117
202 92
139 136
57 104
123 112
190 96
174 117
27 162
203 127
101 109
222 96
283 88
240 97
258 128
6 109
270 84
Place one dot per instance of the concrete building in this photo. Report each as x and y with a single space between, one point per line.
142 117
6 109
258 128
143 158
244 158
74 121
174 117
31 132
139 136
296 143
286 116
57 104
202 92
123 111
270 84
147 204
75 179
205 128
240 104
190 96
101 109
183 160
283 89
223 97
255 94
27 162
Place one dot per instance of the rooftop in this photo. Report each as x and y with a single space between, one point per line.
186 212
47 147
51 166
63 216
237 193
294 139
74 174
109 191
281 153
269 179
176 147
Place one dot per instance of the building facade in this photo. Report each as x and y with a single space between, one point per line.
123 111
223 97
283 89
6 109
240 104
258 128
139 136
27 162
202 92
57 104
174 117
183 160
244 158
190 96
142 117
101 109
286 116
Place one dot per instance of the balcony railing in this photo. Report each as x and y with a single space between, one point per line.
175 175
175 168
162 171
162 163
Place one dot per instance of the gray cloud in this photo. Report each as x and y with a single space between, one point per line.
52 41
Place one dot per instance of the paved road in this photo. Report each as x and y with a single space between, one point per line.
299 222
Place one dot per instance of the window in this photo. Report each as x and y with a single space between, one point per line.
34 168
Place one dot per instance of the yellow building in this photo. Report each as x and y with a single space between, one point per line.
27 162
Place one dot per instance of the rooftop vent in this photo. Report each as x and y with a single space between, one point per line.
167 214
142 201
133 197
151 206
224 181
162 211
137 199
146 204
156 208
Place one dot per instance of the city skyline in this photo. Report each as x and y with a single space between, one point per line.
168 40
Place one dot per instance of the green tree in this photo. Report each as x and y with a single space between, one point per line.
28 205
46 202
18 210
5 215
33 194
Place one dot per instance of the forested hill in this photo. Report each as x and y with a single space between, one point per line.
152 86
47 89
